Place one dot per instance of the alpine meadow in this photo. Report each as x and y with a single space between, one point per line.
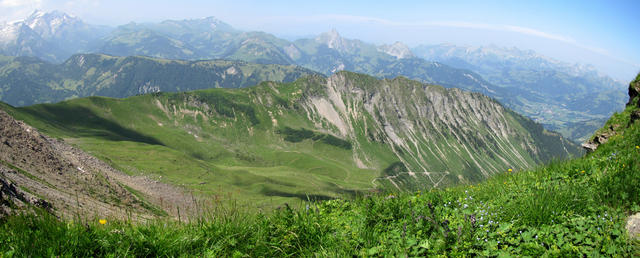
477 130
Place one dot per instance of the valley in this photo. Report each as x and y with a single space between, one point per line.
421 129
550 92
28 81
315 138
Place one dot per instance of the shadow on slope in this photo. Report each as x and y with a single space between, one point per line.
82 122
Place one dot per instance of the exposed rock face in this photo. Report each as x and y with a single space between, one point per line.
333 40
431 130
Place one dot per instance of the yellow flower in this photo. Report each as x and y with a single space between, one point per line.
582 171
510 170
637 147
102 221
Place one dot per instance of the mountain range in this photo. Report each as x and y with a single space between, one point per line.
549 91
29 80
546 90
316 137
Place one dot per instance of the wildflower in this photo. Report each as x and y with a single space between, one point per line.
582 171
637 147
102 221
510 170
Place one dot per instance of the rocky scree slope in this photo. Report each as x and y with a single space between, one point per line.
432 131
36 170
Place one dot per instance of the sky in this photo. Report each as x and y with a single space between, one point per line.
601 33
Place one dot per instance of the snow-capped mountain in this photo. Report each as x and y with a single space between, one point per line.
49 35
52 24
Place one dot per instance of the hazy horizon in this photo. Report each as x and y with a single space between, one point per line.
598 33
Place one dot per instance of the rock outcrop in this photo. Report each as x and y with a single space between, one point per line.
13 198
603 135
633 226
634 91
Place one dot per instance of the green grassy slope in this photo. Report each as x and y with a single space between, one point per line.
315 138
567 209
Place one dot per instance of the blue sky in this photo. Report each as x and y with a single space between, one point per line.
602 33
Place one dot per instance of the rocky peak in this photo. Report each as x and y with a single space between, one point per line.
397 49
333 40
48 24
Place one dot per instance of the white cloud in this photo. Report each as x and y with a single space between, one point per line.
19 3
11 10
533 32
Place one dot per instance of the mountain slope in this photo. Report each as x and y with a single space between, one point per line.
39 171
551 92
573 208
26 81
314 138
